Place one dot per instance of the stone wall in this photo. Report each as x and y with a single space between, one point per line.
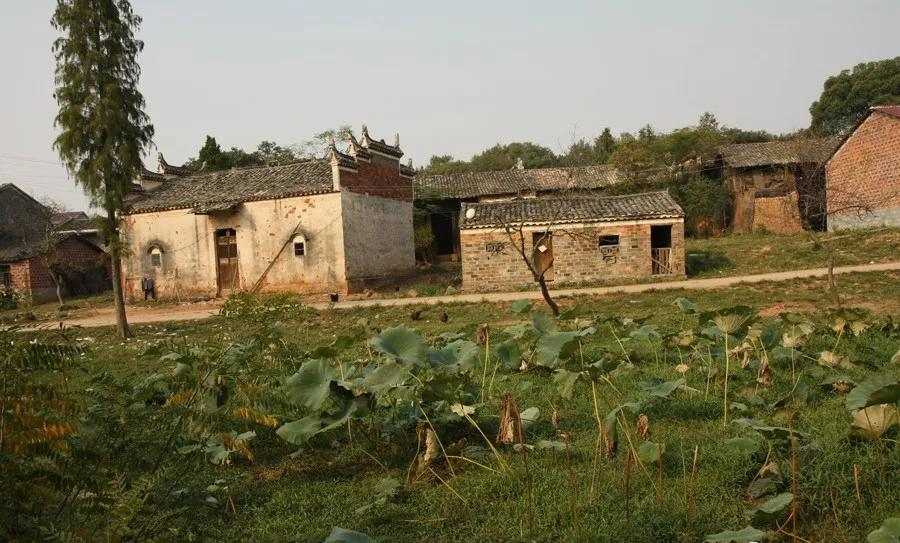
777 214
863 177
489 261
743 184
378 238
187 241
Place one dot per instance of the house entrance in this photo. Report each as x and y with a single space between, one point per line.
661 249
226 260
543 253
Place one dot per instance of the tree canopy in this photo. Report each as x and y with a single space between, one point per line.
847 96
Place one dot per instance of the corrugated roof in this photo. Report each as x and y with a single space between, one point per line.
226 188
648 205
777 153
514 181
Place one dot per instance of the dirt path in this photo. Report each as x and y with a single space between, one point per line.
171 313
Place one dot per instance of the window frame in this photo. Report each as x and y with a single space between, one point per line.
5 275
604 240
299 248
156 256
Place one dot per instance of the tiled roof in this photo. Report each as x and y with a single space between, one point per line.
890 110
14 250
224 189
514 181
648 205
168 169
72 221
774 153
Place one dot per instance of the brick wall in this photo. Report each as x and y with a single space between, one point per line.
489 262
380 177
75 256
777 214
863 177
20 272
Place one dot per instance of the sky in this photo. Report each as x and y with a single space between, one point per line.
450 77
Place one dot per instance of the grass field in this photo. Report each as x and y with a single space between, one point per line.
349 476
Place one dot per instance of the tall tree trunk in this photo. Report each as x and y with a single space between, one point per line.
57 282
545 292
115 256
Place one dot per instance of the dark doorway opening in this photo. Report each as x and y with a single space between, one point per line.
661 249
227 260
442 229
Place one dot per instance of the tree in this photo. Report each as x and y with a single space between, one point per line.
317 147
104 129
444 164
504 157
848 95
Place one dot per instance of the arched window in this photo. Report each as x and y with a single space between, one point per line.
299 245
156 256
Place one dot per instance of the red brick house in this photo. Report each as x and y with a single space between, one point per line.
30 246
574 240
863 173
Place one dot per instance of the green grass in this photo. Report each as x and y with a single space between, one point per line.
742 254
300 497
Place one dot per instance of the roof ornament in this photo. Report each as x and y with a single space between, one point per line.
409 163
519 164
365 132
397 140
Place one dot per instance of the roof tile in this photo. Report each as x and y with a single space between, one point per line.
514 181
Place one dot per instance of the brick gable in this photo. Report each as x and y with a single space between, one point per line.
863 176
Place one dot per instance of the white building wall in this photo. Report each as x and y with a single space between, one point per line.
378 237
262 229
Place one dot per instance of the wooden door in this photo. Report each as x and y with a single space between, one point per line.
543 253
227 259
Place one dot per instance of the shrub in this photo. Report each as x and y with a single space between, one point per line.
707 206
9 299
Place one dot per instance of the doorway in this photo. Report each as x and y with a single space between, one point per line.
661 249
542 243
227 260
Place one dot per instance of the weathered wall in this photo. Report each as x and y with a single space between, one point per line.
777 214
380 177
378 237
262 228
863 177
20 274
743 184
489 262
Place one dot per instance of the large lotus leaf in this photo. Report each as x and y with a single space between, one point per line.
763 486
650 452
611 421
831 359
509 353
772 510
730 323
542 323
875 420
310 386
530 416
748 534
518 331
299 431
550 346
572 313
687 306
565 382
358 406
460 354
646 332
521 307
401 343
385 377
878 389
743 445
340 535
664 390
888 533
552 445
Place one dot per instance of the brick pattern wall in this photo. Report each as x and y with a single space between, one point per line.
489 262
865 173
20 273
777 214
743 184
379 178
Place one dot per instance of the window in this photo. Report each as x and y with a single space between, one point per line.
299 248
609 241
156 257
6 276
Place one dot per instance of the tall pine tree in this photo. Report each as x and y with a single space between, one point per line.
103 127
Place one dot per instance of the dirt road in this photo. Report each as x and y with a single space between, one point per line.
197 311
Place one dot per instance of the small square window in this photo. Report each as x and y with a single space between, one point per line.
299 248
156 257
609 241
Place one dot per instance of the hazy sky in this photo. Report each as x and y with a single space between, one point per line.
451 77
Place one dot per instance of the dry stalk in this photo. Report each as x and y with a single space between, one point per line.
856 477
795 503
837 519
572 485
512 421
629 464
692 495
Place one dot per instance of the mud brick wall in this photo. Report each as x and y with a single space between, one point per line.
777 214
